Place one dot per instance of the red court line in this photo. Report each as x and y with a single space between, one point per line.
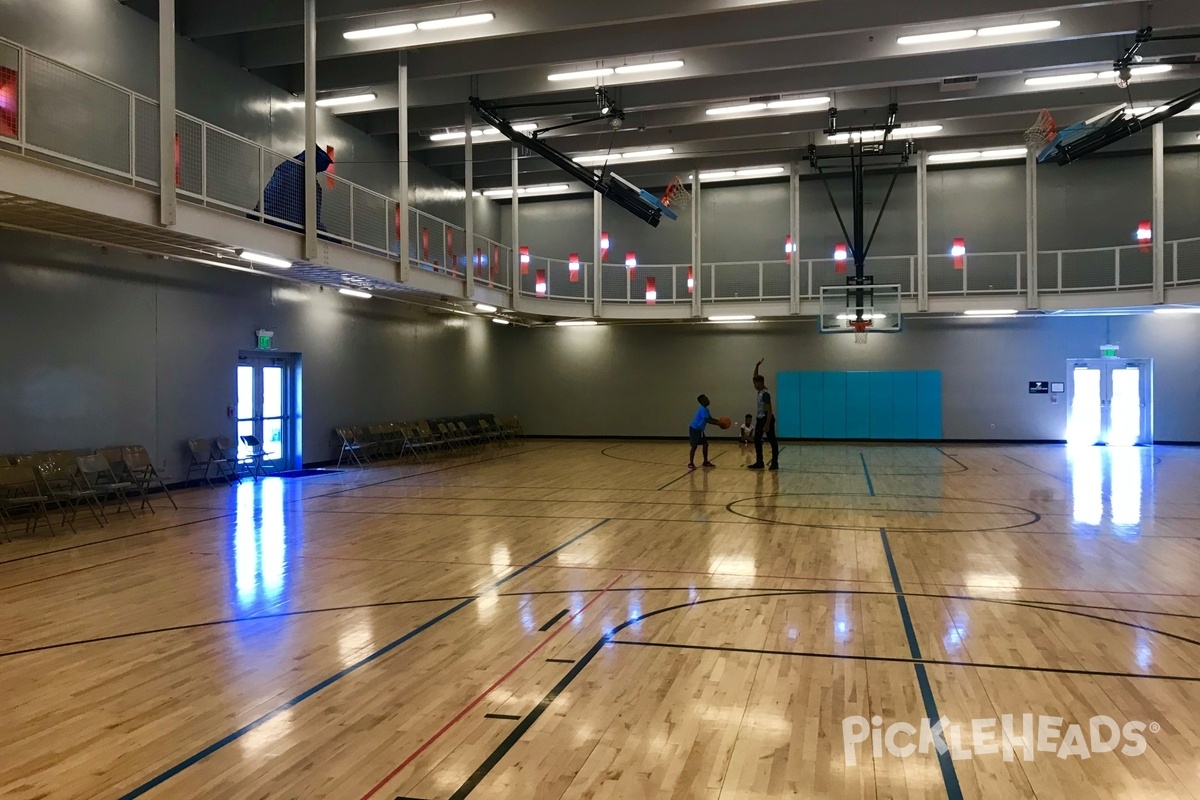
466 709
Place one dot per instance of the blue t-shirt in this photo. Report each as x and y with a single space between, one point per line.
701 419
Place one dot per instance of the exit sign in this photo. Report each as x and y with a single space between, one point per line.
264 339
1109 350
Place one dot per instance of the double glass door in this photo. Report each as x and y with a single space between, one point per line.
264 406
1110 401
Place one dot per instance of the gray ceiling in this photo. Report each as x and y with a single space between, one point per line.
733 50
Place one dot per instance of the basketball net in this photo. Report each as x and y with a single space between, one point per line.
1043 131
677 196
861 328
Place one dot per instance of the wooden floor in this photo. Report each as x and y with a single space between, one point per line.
587 620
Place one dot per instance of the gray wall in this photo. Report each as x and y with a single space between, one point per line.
116 348
1096 202
118 44
643 380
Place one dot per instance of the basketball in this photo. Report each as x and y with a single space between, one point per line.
724 422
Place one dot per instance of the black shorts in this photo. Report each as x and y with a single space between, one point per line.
696 436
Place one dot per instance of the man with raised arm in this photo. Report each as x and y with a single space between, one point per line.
764 423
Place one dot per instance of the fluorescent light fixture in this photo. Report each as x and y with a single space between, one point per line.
954 158
800 102
576 323
485 308
455 22
1148 69
549 188
847 317
355 293
718 176
653 66
1178 310
1020 27
745 108
760 172
977 155
643 155
733 318
347 100
875 136
932 38
264 259
500 321
990 312
598 158
375 33
599 72
479 132
1062 80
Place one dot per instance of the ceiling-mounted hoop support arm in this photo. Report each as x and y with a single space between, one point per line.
606 183
1067 152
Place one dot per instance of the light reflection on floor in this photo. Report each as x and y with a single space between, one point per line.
1111 477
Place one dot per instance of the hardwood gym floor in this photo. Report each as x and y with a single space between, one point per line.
585 620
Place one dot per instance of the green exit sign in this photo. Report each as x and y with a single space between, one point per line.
265 339
1109 350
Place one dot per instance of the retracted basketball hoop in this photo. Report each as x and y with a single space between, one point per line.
1043 131
677 195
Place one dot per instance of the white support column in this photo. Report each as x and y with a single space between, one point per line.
1031 230
310 130
697 250
516 231
167 200
1156 217
597 254
402 191
794 232
469 185
922 231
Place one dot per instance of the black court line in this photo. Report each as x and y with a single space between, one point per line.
561 660
200 755
550 623
952 458
502 716
74 571
927 661
115 539
1036 469
945 760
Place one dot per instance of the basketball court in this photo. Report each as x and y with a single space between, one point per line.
571 619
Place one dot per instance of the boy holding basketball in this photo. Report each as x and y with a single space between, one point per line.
696 437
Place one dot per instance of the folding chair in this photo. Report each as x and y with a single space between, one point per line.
66 493
436 440
19 491
98 476
382 440
490 435
351 448
200 461
115 456
225 459
370 448
473 440
254 459
140 467
513 426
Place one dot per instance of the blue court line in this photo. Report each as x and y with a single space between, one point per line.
945 761
867 472
332 679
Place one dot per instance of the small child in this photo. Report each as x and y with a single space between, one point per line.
696 437
748 430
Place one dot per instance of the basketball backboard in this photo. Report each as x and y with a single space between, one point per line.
1077 131
842 307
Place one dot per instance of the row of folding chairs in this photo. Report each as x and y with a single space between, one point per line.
395 440
31 484
220 458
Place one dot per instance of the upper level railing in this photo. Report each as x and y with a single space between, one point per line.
68 117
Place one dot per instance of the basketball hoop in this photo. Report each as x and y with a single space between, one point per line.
1043 131
861 327
677 196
